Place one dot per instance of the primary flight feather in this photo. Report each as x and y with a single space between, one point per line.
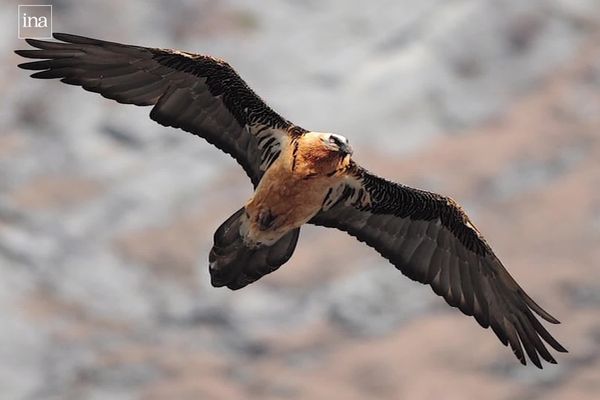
302 177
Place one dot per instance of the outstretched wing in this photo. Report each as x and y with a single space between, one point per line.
431 240
194 92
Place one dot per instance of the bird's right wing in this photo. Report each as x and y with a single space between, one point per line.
194 92
431 240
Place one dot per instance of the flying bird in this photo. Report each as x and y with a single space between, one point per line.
301 176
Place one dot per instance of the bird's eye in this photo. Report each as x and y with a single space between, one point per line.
334 140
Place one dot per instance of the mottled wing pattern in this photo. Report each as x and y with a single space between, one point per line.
431 240
197 93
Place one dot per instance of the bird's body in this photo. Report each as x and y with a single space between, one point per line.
302 177
293 189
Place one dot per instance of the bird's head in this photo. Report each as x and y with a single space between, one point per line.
320 153
336 143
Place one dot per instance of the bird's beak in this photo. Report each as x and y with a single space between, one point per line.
346 149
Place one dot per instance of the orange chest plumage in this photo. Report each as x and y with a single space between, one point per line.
290 193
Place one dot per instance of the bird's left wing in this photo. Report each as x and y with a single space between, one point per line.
197 93
431 240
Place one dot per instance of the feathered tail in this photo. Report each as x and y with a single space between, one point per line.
234 265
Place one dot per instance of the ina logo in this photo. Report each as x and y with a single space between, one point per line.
35 21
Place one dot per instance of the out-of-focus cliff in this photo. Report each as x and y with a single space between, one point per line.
106 218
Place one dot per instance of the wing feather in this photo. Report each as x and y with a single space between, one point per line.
194 92
430 239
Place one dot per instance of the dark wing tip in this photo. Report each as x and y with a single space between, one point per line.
40 44
33 42
84 40
20 53
560 348
523 361
34 65
539 310
63 36
46 74
70 38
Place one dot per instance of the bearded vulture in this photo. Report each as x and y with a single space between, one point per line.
299 177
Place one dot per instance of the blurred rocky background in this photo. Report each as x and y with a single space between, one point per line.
106 218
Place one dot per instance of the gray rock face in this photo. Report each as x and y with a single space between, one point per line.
374 302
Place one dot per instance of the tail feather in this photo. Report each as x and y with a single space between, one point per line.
235 265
